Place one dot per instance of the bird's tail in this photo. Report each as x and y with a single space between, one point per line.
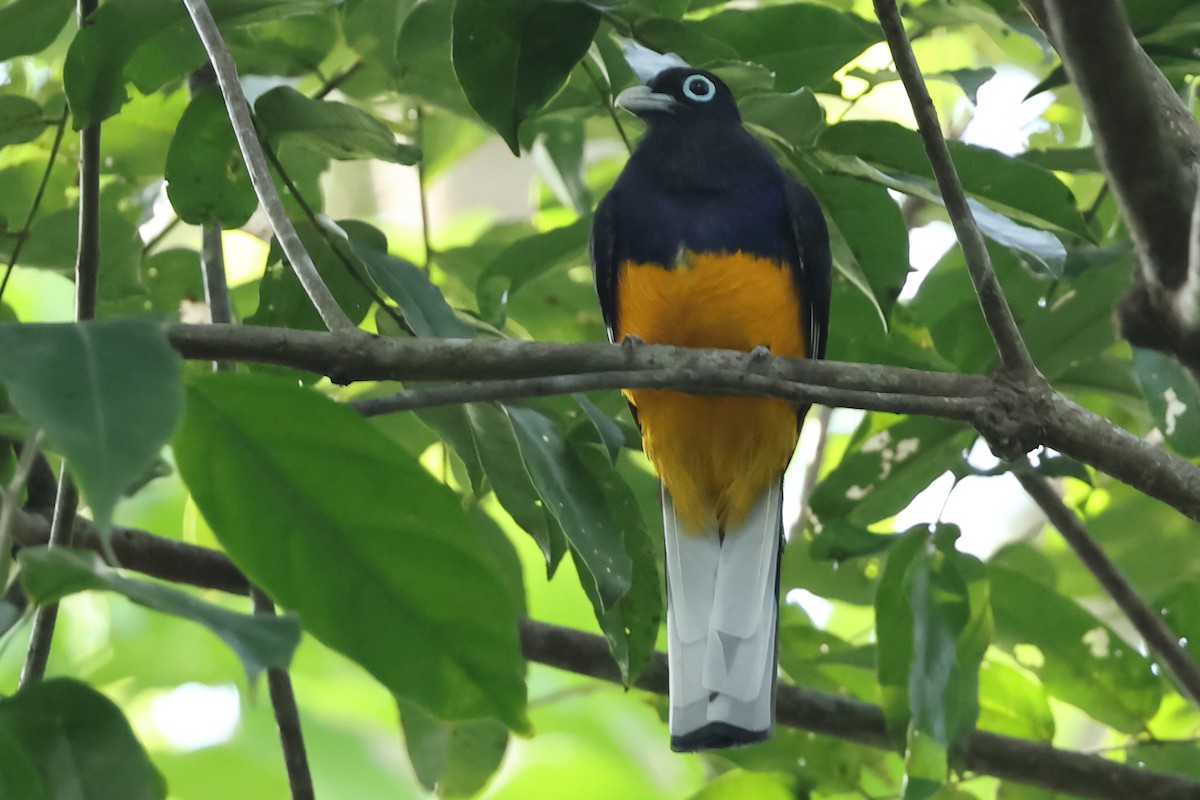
722 616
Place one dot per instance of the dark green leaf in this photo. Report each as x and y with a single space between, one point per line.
452 759
260 642
21 119
1066 159
893 632
94 75
802 43
511 56
970 80
29 26
206 178
1078 659
345 527
526 259
337 130
796 118
563 142
423 63
1173 397
609 432
76 743
1027 192
108 395
840 540
883 472
570 493
292 46
1180 609
422 304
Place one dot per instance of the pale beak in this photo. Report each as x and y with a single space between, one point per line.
641 100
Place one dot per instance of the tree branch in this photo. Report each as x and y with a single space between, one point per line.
1013 354
287 715
1014 417
1148 142
260 175
1154 631
1009 758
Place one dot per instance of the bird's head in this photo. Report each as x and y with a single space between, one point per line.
682 95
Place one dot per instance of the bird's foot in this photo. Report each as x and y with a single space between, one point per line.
759 354
630 341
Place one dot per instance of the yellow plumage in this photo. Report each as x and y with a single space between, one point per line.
715 455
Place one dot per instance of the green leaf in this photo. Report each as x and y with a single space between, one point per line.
1180 609
108 395
452 759
739 783
511 56
1018 188
881 473
21 119
261 642
796 118
422 304
610 433
526 259
802 43
570 493
206 178
337 130
423 63
1013 704
30 26
94 74
1173 396
1078 659
840 540
893 632
70 741
345 527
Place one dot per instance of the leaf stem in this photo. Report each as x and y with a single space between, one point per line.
260 175
422 189
23 234
606 98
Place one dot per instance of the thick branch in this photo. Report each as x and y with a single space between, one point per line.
845 718
1011 347
1154 631
1012 417
260 176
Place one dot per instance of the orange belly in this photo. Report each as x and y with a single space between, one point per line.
715 455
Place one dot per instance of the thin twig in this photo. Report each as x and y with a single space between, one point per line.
606 98
338 80
155 240
260 175
44 620
10 496
422 189
1013 354
287 715
23 234
1157 635
1019 760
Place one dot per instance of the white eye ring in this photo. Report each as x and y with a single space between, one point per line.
701 93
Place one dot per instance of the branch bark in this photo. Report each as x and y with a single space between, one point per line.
260 175
846 718
1148 143
1014 417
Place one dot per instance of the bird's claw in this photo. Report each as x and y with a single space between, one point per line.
759 354
629 341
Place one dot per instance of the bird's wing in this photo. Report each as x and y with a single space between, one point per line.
602 248
813 278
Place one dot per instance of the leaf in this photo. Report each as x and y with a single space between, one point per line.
1180 609
570 493
609 432
526 259
802 43
343 526
206 178
1078 659
1013 704
94 74
423 57
21 119
452 759
511 56
422 304
840 540
64 740
796 118
883 472
108 395
739 783
1018 188
261 642
893 632
1173 397
30 26
337 130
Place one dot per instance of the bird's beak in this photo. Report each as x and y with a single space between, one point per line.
640 100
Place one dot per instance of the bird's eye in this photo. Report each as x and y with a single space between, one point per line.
699 88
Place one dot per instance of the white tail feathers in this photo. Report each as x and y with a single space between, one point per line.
722 612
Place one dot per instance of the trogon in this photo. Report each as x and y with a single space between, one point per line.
704 241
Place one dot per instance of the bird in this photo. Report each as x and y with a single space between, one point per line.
705 241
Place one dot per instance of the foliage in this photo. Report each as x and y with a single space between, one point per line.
408 546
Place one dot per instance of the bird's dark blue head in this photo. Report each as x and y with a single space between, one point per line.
682 95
